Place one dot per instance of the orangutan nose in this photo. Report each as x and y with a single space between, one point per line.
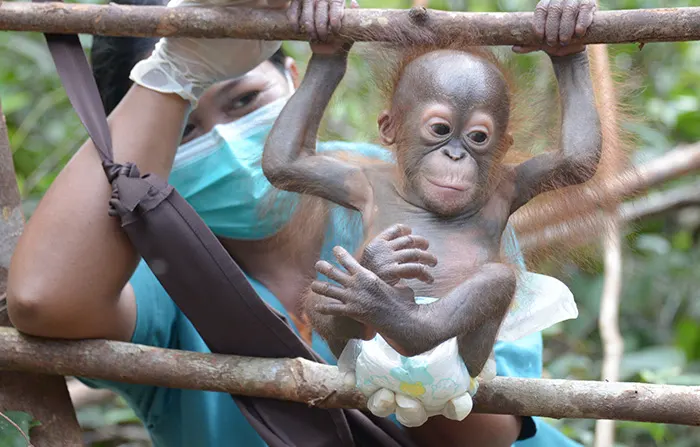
455 153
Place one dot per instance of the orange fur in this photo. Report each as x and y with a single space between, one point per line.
389 60
306 228
534 128
580 210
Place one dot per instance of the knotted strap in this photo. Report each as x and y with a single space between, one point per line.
205 282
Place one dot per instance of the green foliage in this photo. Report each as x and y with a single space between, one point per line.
95 417
44 131
9 435
660 311
112 424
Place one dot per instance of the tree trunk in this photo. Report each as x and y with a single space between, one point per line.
45 397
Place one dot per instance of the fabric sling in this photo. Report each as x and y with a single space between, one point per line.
206 283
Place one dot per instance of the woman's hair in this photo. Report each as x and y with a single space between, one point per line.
113 58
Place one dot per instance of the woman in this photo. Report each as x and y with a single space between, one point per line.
80 278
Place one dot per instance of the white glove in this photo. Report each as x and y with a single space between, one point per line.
188 66
410 412
414 388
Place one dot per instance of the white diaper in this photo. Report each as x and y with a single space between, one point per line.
437 381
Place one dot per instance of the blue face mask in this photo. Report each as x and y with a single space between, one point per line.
220 175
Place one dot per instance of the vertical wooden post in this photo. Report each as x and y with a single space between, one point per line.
45 397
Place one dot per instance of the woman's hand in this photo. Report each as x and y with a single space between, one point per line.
188 66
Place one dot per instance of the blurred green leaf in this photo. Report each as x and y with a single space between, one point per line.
120 416
14 101
688 337
682 241
650 359
570 365
9 435
653 244
687 125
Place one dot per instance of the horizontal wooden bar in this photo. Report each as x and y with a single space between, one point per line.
640 25
324 386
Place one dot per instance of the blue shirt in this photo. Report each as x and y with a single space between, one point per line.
190 418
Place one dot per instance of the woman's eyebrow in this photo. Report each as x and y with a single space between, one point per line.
228 86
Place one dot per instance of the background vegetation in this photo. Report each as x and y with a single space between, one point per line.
661 288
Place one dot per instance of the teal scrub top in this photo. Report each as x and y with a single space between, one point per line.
189 418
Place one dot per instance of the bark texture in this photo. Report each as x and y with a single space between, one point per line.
647 25
11 219
324 386
45 397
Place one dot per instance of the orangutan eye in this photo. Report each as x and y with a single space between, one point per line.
478 136
440 129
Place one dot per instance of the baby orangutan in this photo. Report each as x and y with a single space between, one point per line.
448 124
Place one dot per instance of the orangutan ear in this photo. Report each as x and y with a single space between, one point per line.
387 128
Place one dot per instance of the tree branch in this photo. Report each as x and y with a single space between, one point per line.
660 202
608 322
45 397
300 380
673 164
647 25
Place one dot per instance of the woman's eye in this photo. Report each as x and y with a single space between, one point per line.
243 101
441 129
188 129
477 136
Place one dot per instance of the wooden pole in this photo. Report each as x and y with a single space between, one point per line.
300 380
640 25
608 318
609 321
45 397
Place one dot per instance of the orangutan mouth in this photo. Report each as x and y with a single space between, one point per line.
451 186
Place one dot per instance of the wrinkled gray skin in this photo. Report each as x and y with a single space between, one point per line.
448 123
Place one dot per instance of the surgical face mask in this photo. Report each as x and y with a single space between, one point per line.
220 175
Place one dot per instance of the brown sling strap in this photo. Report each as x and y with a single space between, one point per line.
206 283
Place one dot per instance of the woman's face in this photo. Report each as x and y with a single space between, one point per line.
230 100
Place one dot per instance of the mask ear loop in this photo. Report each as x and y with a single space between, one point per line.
290 82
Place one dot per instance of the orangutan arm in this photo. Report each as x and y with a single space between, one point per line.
290 161
581 141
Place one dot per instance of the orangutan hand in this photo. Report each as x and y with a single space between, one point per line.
557 22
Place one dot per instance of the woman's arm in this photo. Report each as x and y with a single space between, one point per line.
68 273
493 430
290 161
